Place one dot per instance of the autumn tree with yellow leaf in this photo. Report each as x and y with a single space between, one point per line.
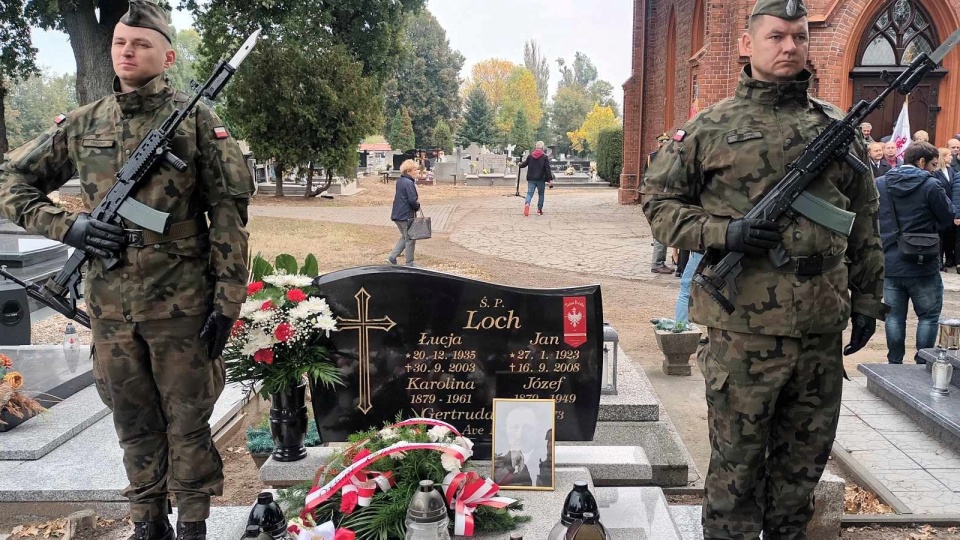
521 95
588 134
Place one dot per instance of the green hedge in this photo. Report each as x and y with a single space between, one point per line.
610 155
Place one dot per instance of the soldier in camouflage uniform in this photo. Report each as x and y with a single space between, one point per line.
161 318
774 367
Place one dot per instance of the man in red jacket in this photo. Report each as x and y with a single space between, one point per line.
538 176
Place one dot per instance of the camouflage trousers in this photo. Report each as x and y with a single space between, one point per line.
773 404
161 385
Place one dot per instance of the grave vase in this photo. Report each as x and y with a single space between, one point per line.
288 422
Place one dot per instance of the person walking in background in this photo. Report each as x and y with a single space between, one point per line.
659 263
405 204
682 311
912 201
948 235
538 175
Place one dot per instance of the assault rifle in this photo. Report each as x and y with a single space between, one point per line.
831 145
61 291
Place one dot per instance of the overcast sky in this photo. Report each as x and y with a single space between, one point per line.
482 29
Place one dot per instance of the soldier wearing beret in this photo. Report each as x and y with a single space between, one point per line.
774 366
160 319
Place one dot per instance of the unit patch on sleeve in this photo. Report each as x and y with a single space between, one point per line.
220 132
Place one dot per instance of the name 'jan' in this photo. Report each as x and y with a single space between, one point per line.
536 383
541 339
489 322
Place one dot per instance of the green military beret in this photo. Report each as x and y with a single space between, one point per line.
147 14
790 10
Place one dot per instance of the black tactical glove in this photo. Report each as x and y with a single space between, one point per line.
863 329
752 236
216 332
95 237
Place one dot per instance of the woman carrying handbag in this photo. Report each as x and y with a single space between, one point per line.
405 205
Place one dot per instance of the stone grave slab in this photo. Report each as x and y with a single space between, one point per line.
627 509
668 456
473 151
907 387
39 435
67 474
225 522
635 401
415 342
493 163
930 355
50 374
687 519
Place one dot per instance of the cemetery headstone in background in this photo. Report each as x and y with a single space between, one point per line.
414 342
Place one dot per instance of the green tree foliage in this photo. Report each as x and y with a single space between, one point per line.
427 82
478 121
32 104
313 86
610 155
571 105
521 134
402 137
17 56
89 24
187 43
536 62
443 136
545 131
583 75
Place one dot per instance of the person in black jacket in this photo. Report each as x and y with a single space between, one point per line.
405 205
877 163
912 200
538 175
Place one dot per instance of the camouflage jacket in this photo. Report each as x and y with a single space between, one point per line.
720 164
172 278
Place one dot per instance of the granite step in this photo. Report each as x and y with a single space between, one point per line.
40 435
625 510
687 519
225 522
88 467
670 462
635 401
608 465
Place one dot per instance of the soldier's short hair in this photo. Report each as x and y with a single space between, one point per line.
920 150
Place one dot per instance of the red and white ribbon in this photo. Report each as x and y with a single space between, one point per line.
306 530
318 495
363 486
464 492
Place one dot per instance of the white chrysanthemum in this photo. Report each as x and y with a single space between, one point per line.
309 307
300 280
284 280
449 462
278 279
438 433
388 433
258 339
260 317
326 323
249 308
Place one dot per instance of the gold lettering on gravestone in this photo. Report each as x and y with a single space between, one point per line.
363 323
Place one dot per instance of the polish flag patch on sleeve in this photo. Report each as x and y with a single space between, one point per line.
59 119
220 132
678 137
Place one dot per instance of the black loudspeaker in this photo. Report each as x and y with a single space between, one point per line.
14 315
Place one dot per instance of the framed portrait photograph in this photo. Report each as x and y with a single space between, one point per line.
523 443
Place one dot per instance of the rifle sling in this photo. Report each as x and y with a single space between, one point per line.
178 231
823 213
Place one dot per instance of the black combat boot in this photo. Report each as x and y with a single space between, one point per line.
192 530
152 530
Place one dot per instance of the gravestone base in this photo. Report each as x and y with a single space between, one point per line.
343 187
50 375
907 387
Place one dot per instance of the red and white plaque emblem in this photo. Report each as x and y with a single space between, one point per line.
575 320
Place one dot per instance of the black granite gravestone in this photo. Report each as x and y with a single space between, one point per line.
414 342
50 375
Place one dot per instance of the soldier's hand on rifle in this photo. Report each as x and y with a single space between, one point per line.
752 236
863 329
216 332
95 237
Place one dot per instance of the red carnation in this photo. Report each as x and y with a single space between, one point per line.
296 295
254 288
267 306
263 356
349 502
238 328
283 333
